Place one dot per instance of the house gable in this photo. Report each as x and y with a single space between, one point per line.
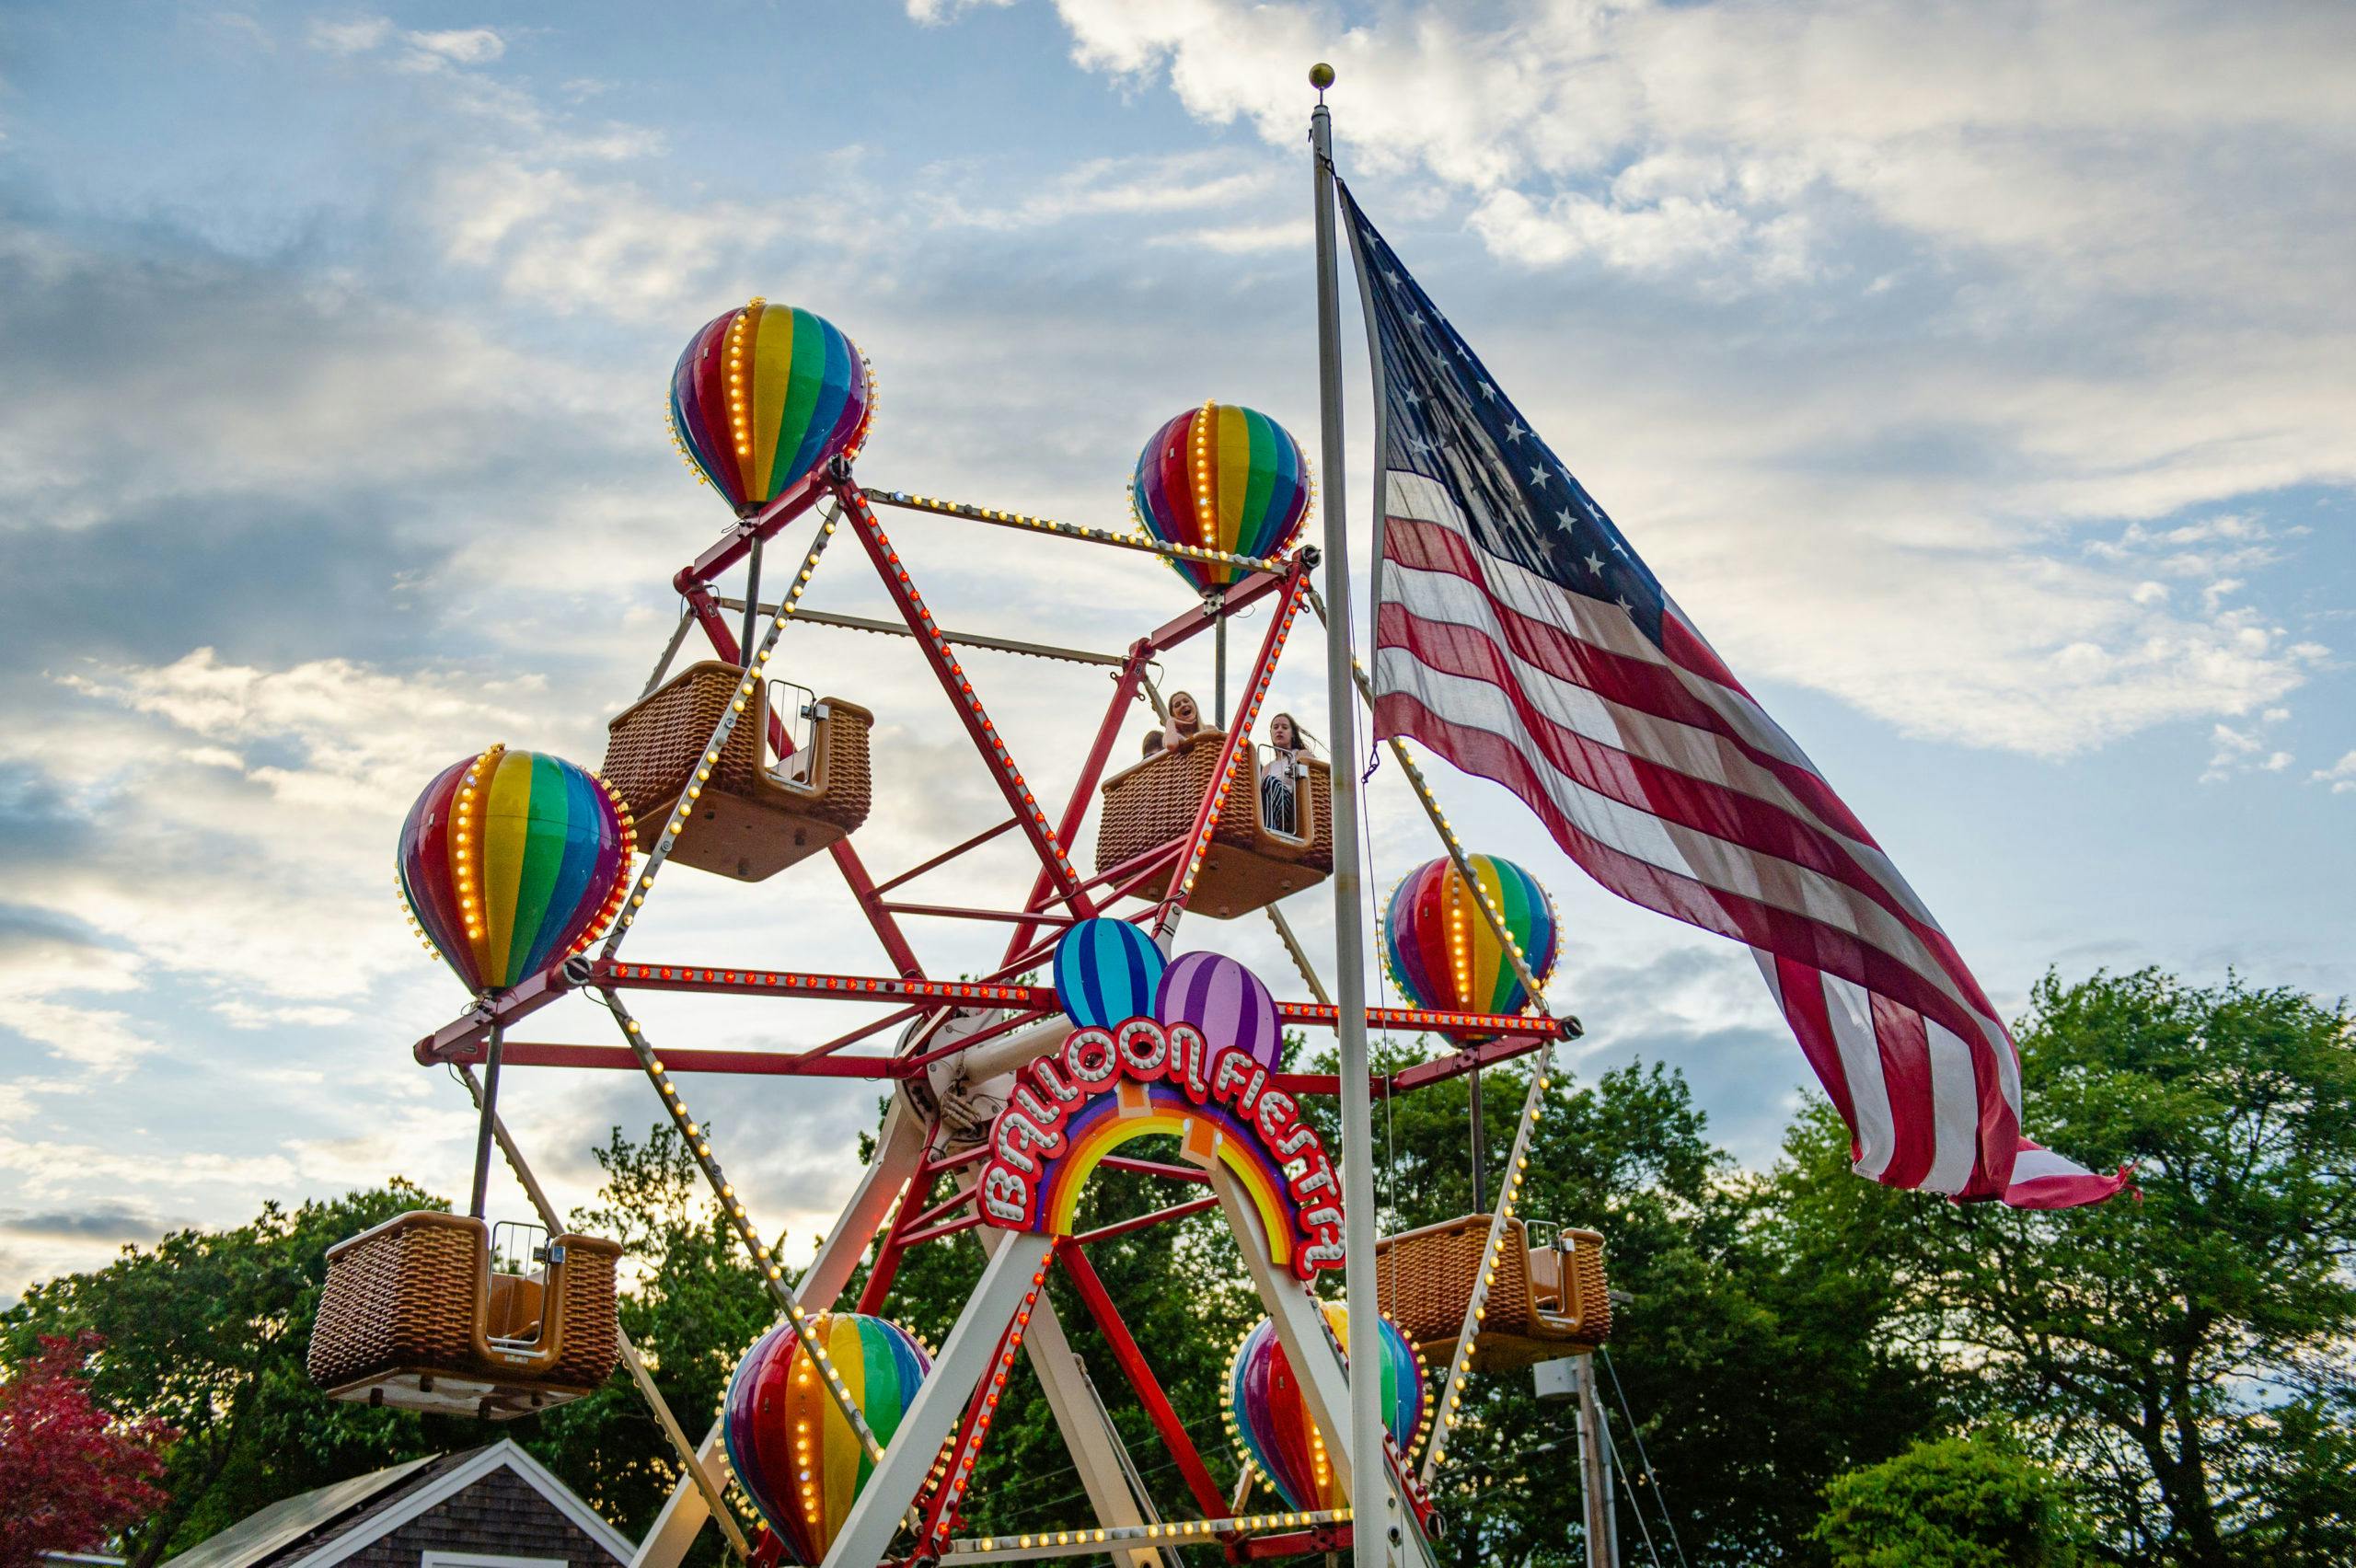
497 1503
500 1515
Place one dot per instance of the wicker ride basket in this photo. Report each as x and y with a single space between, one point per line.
1547 1302
414 1316
752 821
1248 865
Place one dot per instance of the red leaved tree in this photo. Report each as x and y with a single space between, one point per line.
70 1475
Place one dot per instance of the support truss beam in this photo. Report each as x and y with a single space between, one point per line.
954 639
966 1358
930 642
1144 544
1036 998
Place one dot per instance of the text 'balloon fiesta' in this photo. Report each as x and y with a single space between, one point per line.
1198 1067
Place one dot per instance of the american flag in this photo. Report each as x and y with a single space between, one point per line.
1518 636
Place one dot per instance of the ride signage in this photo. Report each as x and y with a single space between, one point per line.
1106 1086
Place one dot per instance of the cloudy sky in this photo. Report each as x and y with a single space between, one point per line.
1977 376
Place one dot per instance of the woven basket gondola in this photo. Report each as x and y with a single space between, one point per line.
749 822
1426 1278
408 1317
1248 866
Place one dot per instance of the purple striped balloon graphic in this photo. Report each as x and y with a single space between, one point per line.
1223 999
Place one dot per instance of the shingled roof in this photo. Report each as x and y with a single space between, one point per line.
322 1527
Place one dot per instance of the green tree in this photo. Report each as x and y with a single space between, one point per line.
692 1305
2186 1355
205 1333
1753 1373
1968 1502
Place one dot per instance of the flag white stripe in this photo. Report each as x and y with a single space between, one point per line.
1590 621
1850 1009
1955 1109
2038 1164
1712 861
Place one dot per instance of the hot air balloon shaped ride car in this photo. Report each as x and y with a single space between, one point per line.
509 863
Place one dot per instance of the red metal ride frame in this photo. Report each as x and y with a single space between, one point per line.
1161 879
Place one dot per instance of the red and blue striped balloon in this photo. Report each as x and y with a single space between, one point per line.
1221 478
1223 999
1268 1416
792 1451
765 395
1440 948
1106 971
513 861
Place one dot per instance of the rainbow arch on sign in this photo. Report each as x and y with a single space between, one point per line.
1140 1109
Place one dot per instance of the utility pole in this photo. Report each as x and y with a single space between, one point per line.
1595 1472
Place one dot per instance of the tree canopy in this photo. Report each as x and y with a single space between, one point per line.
1965 1502
1808 1367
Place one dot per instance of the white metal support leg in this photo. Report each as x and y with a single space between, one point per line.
1095 1446
1308 1349
1300 1327
965 1359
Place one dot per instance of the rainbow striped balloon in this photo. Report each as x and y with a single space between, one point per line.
513 861
1269 1420
1221 478
1106 971
1442 953
764 395
795 1455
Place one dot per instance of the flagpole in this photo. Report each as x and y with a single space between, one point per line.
1373 1521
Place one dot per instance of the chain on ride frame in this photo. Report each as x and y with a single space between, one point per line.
699 1142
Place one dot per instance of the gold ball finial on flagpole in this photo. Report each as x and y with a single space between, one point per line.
1321 76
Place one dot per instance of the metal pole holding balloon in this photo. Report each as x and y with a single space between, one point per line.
509 863
752 599
490 1061
1216 605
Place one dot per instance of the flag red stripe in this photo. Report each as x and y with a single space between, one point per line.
1906 1079
1781 932
1685 648
1801 990
1649 688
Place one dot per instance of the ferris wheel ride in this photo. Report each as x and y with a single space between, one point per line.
847 1441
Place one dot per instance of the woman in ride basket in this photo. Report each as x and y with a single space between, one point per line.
1185 722
1279 799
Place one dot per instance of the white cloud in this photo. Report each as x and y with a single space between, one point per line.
2245 750
355 35
269 882
2340 774
1241 239
460 46
1135 187
933 12
427 51
288 390
2103 306
565 243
